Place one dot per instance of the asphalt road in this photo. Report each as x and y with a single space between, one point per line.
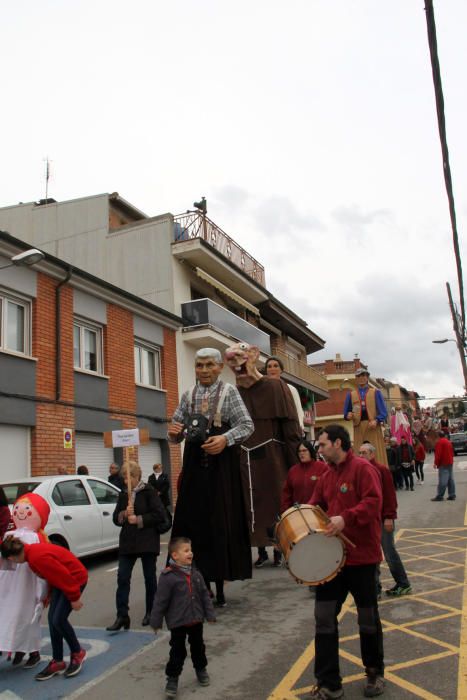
261 646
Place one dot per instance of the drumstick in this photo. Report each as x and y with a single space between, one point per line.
327 520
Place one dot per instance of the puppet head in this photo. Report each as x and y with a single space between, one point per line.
241 358
31 512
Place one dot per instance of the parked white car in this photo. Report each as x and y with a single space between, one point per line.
81 509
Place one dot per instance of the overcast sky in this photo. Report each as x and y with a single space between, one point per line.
310 126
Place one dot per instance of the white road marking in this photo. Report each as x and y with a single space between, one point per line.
9 695
113 569
161 636
97 646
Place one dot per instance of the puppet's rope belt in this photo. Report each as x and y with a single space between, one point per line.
248 450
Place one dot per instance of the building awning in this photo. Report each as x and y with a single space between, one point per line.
225 290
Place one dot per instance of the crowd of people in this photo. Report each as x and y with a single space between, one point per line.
246 463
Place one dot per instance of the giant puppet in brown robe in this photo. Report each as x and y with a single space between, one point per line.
266 455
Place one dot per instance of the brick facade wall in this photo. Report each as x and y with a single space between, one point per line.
47 451
53 416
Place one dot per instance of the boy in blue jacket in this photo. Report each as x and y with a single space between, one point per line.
183 599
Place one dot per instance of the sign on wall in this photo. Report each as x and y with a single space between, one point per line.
67 438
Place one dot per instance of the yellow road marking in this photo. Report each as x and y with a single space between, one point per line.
285 689
401 682
462 674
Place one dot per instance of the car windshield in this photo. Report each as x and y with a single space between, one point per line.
14 491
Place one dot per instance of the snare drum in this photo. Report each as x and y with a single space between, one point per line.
311 557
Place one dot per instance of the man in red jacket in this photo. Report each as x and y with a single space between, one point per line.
351 494
388 516
67 578
444 462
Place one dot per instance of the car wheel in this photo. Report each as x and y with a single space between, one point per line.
58 540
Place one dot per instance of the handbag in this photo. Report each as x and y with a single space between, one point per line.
166 524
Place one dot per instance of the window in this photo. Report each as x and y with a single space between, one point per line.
147 365
70 493
14 491
14 314
104 493
87 347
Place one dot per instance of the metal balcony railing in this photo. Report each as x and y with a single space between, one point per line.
196 225
302 370
204 312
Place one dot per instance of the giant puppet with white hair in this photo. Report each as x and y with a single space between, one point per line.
212 420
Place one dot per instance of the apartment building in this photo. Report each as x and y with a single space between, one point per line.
79 357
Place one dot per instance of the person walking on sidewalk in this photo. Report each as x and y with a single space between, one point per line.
183 599
420 455
351 494
444 463
406 460
388 515
67 578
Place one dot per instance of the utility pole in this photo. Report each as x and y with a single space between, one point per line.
459 331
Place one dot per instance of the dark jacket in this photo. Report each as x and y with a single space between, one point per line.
181 598
409 452
162 486
116 480
389 509
142 537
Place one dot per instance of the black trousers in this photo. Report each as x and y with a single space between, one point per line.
408 477
360 582
126 563
177 654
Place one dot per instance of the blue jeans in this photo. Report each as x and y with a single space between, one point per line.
445 478
59 627
126 563
393 561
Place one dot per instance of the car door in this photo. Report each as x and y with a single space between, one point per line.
106 497
79 516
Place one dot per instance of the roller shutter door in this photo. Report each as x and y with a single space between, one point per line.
14 442
149 455
90 451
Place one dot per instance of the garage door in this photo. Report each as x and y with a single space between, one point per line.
14 441
149 455
90 451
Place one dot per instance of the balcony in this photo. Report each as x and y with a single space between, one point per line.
302 371
204 314
194 225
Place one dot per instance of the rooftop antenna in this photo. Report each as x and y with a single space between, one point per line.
47 178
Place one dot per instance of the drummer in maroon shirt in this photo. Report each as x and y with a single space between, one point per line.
302 477
351 495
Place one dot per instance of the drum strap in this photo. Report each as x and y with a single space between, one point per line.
248 450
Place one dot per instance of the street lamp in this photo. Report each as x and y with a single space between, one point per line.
462 352
28 258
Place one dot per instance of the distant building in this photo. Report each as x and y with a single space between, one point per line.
454 407
340 376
